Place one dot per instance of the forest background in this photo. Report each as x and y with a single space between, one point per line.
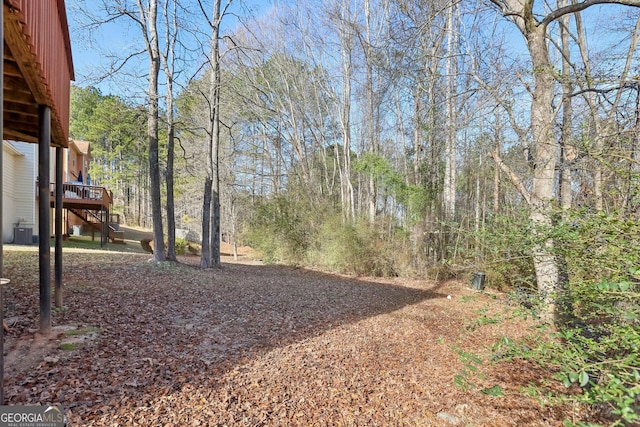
389 137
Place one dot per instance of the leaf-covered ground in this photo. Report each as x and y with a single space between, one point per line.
142 344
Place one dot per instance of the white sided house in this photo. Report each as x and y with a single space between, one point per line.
85 206
19 174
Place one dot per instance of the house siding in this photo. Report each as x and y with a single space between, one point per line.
18 174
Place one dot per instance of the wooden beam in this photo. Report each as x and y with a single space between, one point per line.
28 128
16 83
31 89
20 116
18 44
11 68
19 136
19 97
31 109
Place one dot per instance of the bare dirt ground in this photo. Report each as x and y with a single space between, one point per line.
144 344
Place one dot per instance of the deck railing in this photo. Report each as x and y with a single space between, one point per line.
90 194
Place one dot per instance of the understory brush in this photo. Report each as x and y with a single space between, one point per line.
596 346
505 252
352 248
293 232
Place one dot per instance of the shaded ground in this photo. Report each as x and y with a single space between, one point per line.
151 344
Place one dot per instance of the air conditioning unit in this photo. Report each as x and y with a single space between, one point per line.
23 236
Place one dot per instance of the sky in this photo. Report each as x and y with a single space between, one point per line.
95 49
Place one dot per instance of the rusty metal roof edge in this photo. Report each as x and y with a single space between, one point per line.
59 136
62 12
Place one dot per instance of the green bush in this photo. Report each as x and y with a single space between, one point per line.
598 348
181 246
505 252
293 232
603 261
353 248
281 230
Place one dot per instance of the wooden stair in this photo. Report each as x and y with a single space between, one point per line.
96 222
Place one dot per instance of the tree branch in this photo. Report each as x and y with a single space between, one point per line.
578 7
515 180
627 85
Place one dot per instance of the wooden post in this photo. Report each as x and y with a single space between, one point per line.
107 229
58 228
44 210
102 226
1 207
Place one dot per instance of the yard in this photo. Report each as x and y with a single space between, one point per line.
139 343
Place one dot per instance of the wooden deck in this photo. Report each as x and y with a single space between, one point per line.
90 203
79 196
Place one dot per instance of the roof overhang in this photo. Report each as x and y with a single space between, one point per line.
7 145
31 74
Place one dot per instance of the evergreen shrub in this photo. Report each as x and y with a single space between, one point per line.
505 252
290 230
597 347
281 230
181 246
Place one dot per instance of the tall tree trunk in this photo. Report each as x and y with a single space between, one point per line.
496 173
634 166
212 184
152 127
417 140
171 212
449 187
542 189
346 45
433 154
170 39
567 115
205 254
565 306
372 196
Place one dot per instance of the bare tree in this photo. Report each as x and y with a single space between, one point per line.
346 46
450 151
534 29
144 15
211 202
168 63
567 114
148 21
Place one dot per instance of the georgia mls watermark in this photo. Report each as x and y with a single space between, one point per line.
32 416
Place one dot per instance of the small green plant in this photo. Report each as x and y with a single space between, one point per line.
471 362
596 344
68 346
181 246
604 366
484 319
496 391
